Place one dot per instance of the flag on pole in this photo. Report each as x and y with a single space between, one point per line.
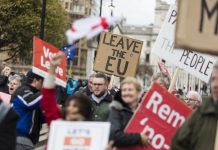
69 51
89 27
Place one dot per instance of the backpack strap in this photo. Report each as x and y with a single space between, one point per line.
4 109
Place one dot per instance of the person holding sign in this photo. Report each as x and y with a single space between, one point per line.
77 107
122 109
199 130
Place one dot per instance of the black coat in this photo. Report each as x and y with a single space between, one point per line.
8 131
4 84
119 117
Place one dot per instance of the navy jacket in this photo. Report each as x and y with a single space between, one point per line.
26 102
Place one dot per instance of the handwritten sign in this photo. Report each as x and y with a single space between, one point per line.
197 64
117 55
42 54
158 117
69 135
197 25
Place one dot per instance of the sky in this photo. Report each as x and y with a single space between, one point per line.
137 12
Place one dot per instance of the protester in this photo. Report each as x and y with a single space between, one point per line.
25 102
122 109
77 107
14 83
193 100
89 88
199 130
162 79
8 120
4 79
100 97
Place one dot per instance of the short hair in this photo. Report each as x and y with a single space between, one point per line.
101 75
84 105
196 94
215 67
30 76
15 77
164 78
92 75
134 81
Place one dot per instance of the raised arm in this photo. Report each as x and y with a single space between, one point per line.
48 102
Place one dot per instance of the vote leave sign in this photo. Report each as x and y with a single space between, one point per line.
158 116
69 135
197 64
118 55
42 53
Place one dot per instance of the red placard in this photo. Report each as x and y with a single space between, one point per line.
42 53
158 116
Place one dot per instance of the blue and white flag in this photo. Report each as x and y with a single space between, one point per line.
69 51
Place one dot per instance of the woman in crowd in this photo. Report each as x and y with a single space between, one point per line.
77 107
122 109
14 81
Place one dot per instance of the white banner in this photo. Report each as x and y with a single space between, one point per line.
197 64
69 135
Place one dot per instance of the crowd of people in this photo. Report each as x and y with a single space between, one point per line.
34 102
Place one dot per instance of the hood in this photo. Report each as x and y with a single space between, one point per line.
118 102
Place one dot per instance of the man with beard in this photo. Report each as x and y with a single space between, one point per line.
200 131
100 97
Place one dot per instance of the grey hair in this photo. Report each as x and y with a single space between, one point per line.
15 77
215 66
164 78
196 94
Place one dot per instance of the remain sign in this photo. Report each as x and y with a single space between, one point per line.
42 53
158 116
117 54
197 64
197 25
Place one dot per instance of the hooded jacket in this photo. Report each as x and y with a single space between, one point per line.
119 116
199 130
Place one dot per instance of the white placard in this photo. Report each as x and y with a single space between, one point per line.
197 64
68 135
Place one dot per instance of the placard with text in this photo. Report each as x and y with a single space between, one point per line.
118 55
197 25
70 135
42 53
198 64
158 116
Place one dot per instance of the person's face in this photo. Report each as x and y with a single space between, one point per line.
214 84
13 85
129 93
38 83
99 86
90 84
7 71
72 112
192 102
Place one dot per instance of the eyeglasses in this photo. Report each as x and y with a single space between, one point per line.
191 100
98 84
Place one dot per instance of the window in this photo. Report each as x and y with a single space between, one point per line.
148 43
147 58
76 57
66 5
71 6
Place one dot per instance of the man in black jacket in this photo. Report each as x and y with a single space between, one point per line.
26 102
8 120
